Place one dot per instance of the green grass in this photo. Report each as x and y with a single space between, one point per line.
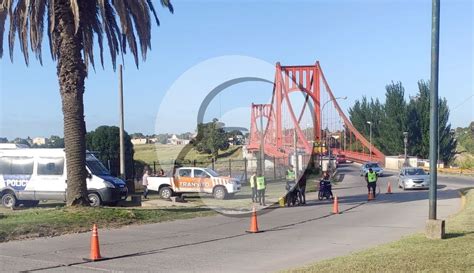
415 253
41 222
166 153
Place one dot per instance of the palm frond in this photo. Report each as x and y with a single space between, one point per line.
121 21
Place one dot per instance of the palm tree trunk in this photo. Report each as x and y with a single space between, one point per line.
71 74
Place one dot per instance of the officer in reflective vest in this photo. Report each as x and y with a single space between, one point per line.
261 190
291 194
371 178
290 174
253 181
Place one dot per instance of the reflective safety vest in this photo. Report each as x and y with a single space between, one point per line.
260 183
290 175
252 181
371 177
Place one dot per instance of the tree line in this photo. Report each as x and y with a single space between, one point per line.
396 115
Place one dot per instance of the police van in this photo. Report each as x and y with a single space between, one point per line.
30 175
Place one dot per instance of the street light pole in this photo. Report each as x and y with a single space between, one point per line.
434 133
405 141
122 143
370 133
262 144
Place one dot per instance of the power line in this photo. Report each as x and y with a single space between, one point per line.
465 100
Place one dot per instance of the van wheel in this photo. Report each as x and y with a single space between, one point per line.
220 193
9 200
94 199
166 193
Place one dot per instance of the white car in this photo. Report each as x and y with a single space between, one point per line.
413 178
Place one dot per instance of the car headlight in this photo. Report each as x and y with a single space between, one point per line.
109 184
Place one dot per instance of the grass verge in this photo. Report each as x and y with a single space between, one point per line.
415 253
42 222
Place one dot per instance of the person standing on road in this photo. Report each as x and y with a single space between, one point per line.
290 175
261 189
302 187
371 178
253 181
145 182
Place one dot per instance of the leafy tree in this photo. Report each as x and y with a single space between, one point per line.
105 142
394 117
465 137
137 135
419 126
73 27
21 141
363 111
55 142
394 121
211 138
3 140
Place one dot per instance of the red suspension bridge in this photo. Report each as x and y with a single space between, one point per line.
303 108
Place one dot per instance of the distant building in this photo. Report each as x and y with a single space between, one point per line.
139 141
39 140
174 140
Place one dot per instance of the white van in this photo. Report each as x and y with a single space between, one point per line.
30 175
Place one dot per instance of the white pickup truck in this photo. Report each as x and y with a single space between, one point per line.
195 180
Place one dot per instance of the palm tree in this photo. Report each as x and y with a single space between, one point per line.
73 25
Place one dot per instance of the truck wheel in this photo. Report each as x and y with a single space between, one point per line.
220 193
94 199
166 193
9 200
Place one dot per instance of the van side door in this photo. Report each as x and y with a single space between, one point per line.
51 179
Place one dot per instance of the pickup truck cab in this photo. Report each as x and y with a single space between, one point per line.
195 180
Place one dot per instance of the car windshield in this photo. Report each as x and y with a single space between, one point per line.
211 172
372 165
415 172
95 166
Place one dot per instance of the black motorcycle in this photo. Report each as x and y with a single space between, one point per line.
291 198
325 190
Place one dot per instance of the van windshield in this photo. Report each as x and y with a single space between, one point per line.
95 166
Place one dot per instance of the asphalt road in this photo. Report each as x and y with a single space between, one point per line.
292 237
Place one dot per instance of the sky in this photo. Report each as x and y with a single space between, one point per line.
362 46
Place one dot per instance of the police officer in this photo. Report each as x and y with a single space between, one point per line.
261 189
291 186
302 187
371 178
253 181
290 174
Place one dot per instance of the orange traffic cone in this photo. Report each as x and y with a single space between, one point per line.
253 222
371 196
335 206
95 251
389 188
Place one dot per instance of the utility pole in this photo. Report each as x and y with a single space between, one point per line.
405 141
122 144
370 129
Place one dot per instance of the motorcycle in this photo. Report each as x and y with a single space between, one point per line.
325 190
